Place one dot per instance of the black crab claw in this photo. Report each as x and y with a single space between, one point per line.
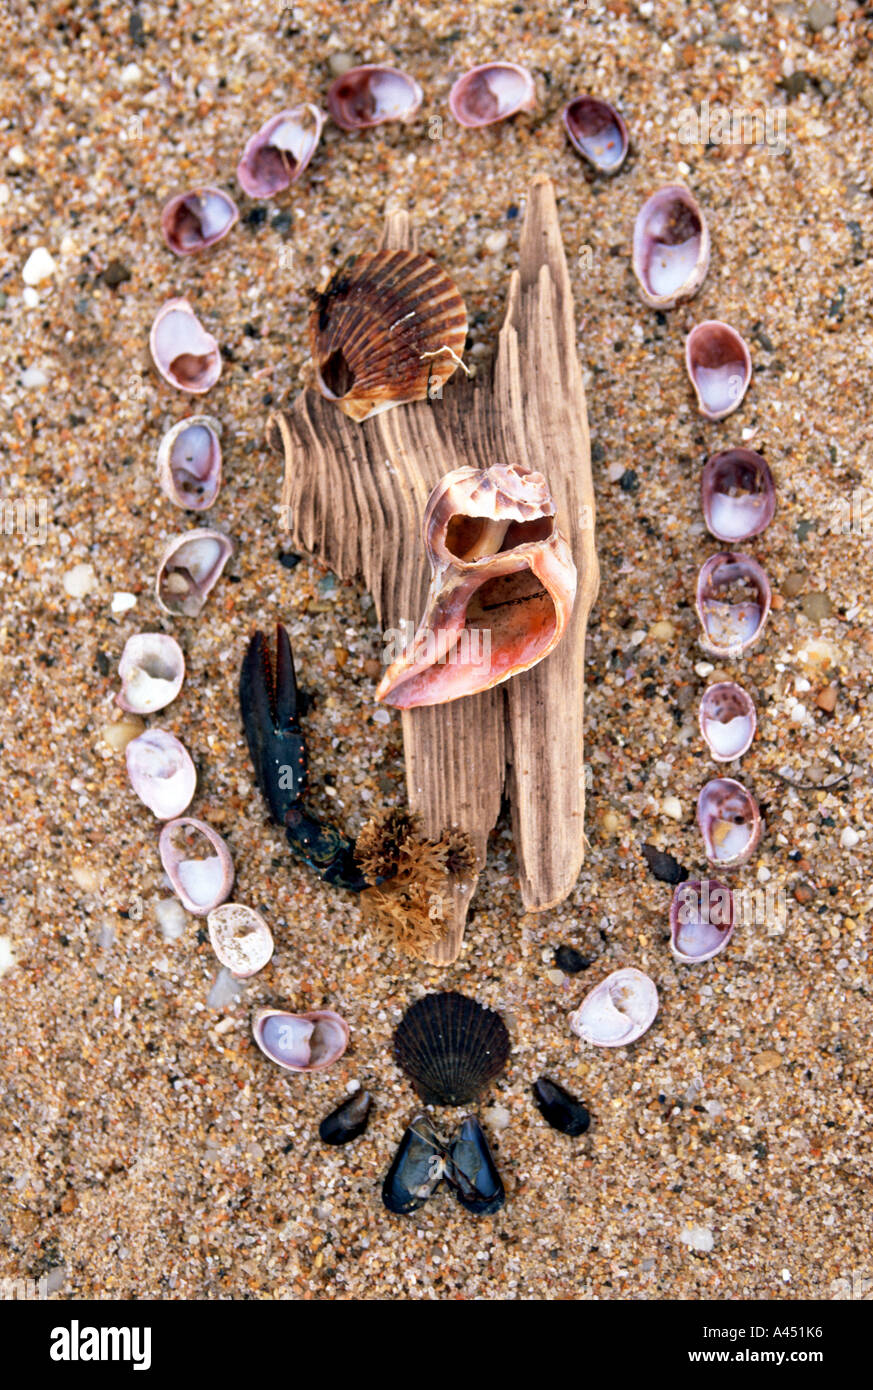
268 704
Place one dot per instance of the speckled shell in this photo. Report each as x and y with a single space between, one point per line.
277 154
737 518
671 247
729 821
502 589
371 94
189 463
720 367
300 1042
202 883
701 920
183 352
389 328
190 568
450 1047
491 92
240 938
199 218
728 720
729 629
152 669
596 131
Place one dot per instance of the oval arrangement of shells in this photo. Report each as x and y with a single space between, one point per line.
441 944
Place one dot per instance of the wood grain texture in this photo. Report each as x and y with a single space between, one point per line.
354 497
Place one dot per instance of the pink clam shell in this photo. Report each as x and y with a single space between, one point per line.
719 365
671 247
199 218
189 463
597 131
728 720
701 919
301 1042
200 884
152 669
729 628
277 154
161 773
729 821
738 495
369 95
183 352
491 92
618 1010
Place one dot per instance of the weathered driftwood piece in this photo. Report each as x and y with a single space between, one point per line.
354 496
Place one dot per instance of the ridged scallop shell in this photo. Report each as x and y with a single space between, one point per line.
199 218
491 92
598 132
277 154
618 1010
729 628
729 821
300 1042
389 328
720 367
183 352
502 589
200 883
738 495
161 773
701 919
727 720
189 463
152 669
671 247
240 938
190 568
450 1047
371 94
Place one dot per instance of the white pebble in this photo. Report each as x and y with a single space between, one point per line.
557 977
381 716
32 378
698 1238
763 874
38 266
7 957
5 194
171 918
638 637
30 297
615 471
495 242
352 1087
497 1117
116 1006
18 155
122 601
130 75
671 806
80 580
849 837
704 669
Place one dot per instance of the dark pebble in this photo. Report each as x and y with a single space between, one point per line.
629 482
663 866
598 453
255 217
115 274
136 29
282 221
571 961
512 212
101 661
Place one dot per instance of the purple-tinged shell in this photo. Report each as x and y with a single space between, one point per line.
192 221
190 568
200 881
727 720
183 352
161 773
491 92
733 601
598 132
189 463
738 495
368 95
701 919
277 154
618 1010
300 1042
240 938
720 367
152 669
729 821
671 247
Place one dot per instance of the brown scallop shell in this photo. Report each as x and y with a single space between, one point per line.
389 328
502 588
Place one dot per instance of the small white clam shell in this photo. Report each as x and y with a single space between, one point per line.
161 773
727 720
200 881
300 1042
618 1010
240 938
189 463
183 352
190 568
152 669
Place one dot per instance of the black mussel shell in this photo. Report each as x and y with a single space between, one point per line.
450 1047
417 1169
561 1110
472 1170
571 961
348 1121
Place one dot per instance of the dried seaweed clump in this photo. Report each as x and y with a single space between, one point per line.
411 878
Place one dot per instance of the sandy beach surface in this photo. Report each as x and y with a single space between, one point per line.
147 1148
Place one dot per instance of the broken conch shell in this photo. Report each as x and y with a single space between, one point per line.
502 588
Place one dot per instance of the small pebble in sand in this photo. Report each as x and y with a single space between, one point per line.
495 242
704 669
340 63
497 1118
85 877
671 806
699 1238
122 602
820 15
7 956
826 699
80 581
557 977
33 378
662 631
849 837
119 734
39 266
816 606
171 918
